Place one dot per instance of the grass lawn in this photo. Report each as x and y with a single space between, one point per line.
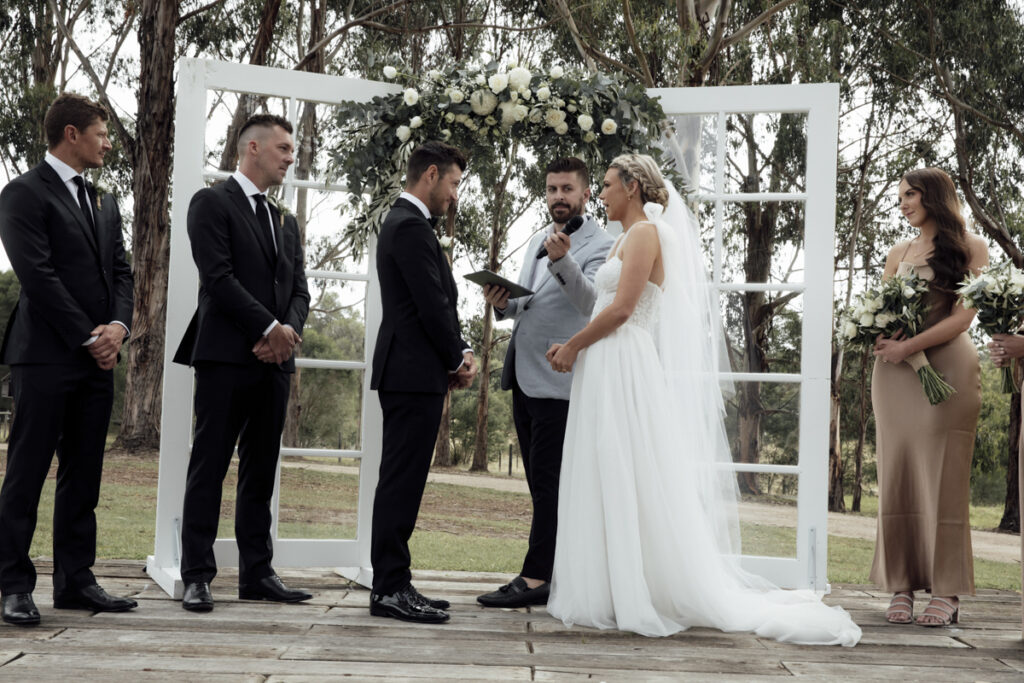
459 527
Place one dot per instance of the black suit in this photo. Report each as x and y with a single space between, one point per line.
244 287
72 280
418 345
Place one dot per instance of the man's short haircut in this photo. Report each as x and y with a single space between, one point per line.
266 121
570 165
433 154
71 109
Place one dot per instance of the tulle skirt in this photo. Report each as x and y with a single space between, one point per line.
636 551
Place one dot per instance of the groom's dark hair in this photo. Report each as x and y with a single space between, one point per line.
433 154
570 165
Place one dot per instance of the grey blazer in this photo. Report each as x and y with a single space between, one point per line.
559 308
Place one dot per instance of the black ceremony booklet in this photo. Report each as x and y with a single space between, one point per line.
486 277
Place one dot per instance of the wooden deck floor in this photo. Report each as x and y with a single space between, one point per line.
333 637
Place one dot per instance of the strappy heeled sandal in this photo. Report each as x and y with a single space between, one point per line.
943 611
900 609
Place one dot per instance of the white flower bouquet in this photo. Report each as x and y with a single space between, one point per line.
894 305
997 293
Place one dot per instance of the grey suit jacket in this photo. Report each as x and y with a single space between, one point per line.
559 308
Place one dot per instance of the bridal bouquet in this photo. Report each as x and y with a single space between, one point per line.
895 304
997 293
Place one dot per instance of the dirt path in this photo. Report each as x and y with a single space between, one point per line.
987 545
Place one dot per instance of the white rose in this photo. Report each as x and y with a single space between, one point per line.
556 73
585 122
909 292
445 241
520 111
513 96
850 329
554 117
434 75
867 320
449 117
480 79
536 116
543 93
415 122
571 108
525 94
883 319
456 96
410 96
589 136
482 102
508 116
497 82
992 286
390 72
608 127
403 133
562 128
519 78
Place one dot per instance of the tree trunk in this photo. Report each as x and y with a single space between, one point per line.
140 424
483 407
1011 508
836 502
858 456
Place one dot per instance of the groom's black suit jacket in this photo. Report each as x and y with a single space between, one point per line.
243 286
71 280
419 341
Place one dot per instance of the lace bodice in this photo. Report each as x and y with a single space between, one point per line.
607 283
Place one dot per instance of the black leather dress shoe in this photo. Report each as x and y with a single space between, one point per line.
406 604
18 608
436 604
93 598
273 589
197 597
516 594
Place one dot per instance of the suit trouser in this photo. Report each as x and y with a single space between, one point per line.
411 422
540 428
247 404
62 408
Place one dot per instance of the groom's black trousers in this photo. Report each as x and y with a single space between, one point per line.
540 427
411 421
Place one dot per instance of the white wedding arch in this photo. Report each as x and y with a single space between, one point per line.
200 80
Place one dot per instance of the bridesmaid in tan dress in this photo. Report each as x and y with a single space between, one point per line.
924 452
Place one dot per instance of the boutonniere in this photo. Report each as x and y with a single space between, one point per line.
446 241
282 209
100 191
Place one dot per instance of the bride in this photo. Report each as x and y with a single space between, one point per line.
648 536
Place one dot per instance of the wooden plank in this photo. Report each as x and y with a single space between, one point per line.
647 676
873 672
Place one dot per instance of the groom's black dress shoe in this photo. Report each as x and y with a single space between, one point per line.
516 594
273 589
436 604
93 598
197 597
18 608
406 604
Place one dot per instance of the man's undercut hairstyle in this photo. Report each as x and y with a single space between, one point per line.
433 154
265 121
571 165
71 109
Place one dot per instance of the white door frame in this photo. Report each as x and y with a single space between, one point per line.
195 78
820 103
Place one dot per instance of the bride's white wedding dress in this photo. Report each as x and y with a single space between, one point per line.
647 529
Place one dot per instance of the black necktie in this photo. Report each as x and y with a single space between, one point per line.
263 218
83 203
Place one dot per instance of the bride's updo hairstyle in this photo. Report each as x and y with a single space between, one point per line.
642 169
951 255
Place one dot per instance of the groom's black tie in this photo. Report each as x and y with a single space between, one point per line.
263 217
83 204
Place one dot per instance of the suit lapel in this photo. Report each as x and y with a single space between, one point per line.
60 191
242 204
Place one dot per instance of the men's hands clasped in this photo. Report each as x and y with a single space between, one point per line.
107 345
278 345
463 377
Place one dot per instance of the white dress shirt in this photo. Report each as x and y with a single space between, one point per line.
67 176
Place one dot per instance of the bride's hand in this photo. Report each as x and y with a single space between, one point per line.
562 357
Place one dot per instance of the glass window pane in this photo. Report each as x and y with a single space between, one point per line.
766 152
324 409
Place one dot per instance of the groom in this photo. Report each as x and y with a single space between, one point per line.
564 295
419 355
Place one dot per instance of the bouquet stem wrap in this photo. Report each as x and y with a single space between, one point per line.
935 388
1009 386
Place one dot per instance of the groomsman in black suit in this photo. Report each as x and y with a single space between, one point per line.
62 342
419 355
253 302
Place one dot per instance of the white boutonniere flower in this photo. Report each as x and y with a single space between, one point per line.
446 241
282 209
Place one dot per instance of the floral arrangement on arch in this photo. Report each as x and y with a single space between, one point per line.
483 109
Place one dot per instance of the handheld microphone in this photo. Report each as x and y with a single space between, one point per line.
572 226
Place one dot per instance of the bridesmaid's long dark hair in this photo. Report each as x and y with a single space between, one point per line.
951 256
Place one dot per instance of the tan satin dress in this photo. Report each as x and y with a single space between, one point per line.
923 540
